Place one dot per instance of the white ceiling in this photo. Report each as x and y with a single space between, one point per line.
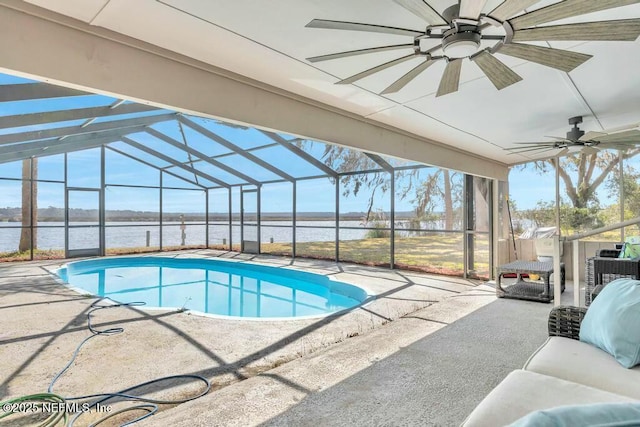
268 41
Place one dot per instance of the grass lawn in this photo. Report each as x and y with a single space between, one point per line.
436 253
439 253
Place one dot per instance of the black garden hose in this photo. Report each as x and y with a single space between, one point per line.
69 407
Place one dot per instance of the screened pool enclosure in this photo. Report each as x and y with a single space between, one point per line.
89 175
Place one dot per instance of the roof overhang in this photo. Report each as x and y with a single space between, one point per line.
57 49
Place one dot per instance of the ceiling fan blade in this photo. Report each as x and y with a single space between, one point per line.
471 9
450 78
356 26
622 30
376 69
536 144
412 74
562 152
557 138
589 150
359 52
619 145
564 60
624 127
540 150
630 135
565 9
421 9
508 8
500 75
591 135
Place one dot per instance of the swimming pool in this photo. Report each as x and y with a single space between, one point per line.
215 287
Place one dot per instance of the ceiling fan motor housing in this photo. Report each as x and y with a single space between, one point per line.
575 133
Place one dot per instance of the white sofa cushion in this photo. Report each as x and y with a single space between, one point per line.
522 392
583 363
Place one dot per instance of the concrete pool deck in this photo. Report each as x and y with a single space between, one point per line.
43 322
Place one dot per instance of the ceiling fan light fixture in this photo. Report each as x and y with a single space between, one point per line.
461 44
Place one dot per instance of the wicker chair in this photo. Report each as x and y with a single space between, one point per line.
606 267
565 320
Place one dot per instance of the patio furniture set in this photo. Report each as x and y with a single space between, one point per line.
566 374
606 267
603 268
588 371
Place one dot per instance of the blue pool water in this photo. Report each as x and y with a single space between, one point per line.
212 286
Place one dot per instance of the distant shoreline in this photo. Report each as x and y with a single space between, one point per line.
53 214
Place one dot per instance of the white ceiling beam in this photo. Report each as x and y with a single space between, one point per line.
69 52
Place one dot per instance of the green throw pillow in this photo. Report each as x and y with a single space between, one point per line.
631 248
612 322
594 415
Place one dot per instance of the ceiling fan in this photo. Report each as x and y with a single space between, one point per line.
589 142
463 30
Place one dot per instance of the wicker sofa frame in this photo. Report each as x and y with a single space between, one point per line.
606 267
565 321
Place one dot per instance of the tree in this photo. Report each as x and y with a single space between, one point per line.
582 175
430 193
29 204
427 192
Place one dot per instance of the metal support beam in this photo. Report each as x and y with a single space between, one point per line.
67 115
206 132
301 153
160 211
200 155
337 181
72 141
392 222
144 162
80 130
362 172
380 161
56 149
102 215
168 159
295 220
259 221
206 220
493 214
28 91
621 191
230 221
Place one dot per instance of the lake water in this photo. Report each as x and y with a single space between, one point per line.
51 235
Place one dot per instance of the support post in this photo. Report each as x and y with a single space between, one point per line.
557 288
576 272
295 214
259 225
337 219
160 210
206 218
230 221
392 222
102 215
621 192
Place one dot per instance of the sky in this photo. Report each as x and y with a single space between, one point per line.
527 186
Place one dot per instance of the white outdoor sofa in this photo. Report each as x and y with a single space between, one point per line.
563 371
